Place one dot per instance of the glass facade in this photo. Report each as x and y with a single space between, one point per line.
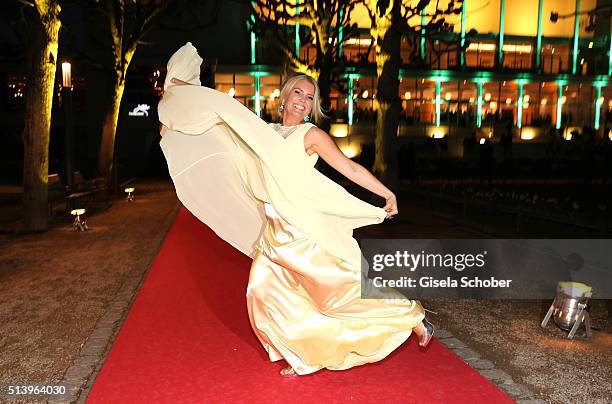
520 69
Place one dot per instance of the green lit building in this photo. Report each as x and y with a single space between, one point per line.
521 68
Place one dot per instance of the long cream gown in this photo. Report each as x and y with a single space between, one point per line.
261 193
304 303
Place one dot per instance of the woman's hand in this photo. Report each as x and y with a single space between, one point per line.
391 206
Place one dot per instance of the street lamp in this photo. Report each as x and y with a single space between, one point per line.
67 101
66 75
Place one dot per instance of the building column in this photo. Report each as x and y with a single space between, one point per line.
340 35
297 39
257 94
437 102
423 23
610 55
479 104
350 99
459 102
598 102
253 37
538 55
576 38
519 103
498 113
462 42
559 104
500 44
297 34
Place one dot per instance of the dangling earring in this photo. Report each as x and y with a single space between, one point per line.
281 108
307 118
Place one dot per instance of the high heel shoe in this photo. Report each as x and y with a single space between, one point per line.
427 335
288 372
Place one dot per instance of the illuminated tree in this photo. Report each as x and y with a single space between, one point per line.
43 17
392 19
327 26
129 22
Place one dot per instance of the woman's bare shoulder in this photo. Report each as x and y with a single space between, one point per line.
316 139
315 134
315 131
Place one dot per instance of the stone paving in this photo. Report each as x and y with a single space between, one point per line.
486 368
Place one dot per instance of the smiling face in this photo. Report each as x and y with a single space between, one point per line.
299 103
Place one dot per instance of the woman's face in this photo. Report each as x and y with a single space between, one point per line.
300 100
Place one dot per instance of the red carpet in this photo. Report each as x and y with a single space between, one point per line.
187 339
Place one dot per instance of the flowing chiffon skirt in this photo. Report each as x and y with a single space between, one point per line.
305 305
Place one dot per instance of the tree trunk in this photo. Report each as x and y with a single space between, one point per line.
325 89
109 130
38 107
388 103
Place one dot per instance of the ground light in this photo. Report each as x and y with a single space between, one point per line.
570 309
130 194
79 224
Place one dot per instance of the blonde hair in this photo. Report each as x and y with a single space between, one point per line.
317 111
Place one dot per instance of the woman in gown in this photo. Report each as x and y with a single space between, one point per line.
304 292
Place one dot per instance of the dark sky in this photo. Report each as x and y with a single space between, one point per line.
83 33
227 40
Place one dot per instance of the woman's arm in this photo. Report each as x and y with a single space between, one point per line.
317 141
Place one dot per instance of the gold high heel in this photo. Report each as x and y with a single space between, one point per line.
427 335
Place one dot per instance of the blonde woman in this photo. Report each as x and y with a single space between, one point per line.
304 291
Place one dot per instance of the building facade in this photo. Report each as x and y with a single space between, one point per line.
535 65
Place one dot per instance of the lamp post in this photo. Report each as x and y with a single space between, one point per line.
67 101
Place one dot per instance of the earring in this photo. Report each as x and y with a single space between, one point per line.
281 108
307 118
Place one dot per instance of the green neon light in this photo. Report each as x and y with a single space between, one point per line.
257 94
576 35
462 52
253 37
519 114
500 45
253 40
610 57
297 39
297 33
340 35
479 104
559 104
350 99
437 103
539 37
597 107
423 22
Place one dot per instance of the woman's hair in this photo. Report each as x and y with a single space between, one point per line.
317 112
